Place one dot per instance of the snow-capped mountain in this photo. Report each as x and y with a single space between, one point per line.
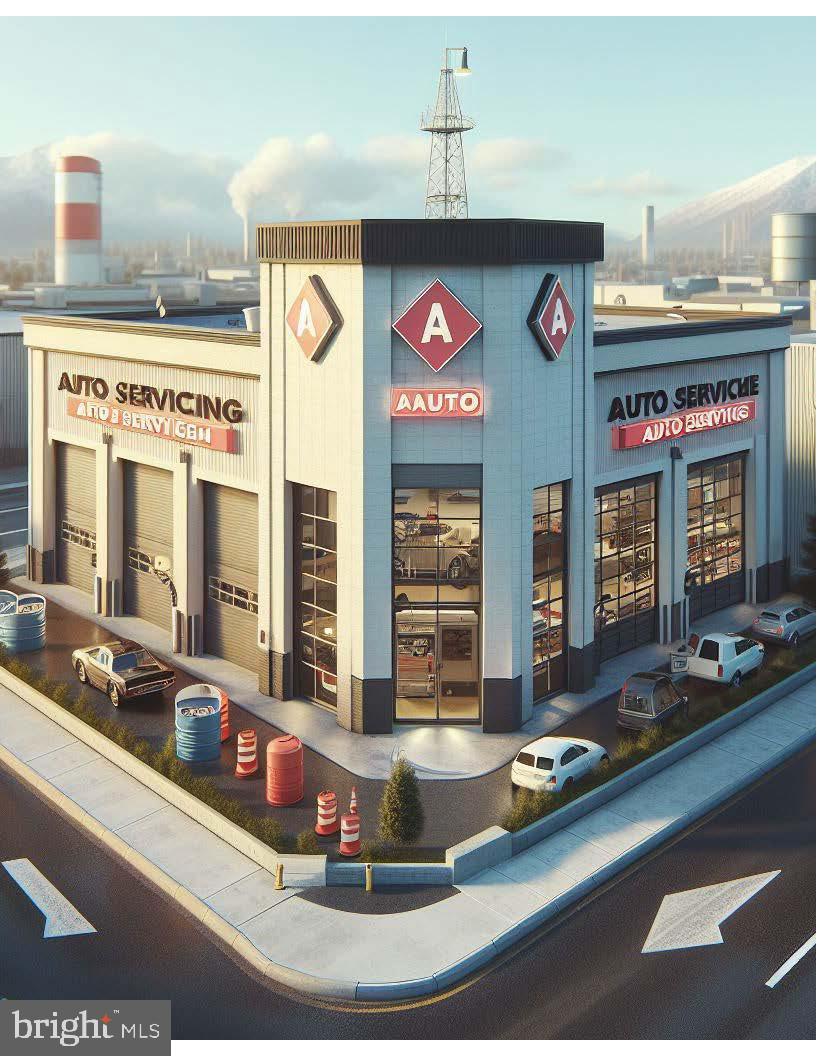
789 187
26 201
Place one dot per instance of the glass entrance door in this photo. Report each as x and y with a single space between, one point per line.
437 662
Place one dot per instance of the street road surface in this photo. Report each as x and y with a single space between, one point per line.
584 977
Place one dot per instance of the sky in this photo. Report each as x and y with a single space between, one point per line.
583 119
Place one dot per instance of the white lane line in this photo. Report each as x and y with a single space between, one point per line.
61 918
792 961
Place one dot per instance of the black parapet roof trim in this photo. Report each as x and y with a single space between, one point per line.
474 242
692 328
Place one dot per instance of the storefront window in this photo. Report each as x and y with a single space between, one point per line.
625 566
437 581
549 590
315 513
715 575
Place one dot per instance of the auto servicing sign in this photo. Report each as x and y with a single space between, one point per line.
686 423
198 433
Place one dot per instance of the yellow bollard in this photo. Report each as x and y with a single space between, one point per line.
369 876
279 886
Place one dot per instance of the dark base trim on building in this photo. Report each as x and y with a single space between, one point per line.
581 668
501 704
771 580
676 621
39 566
275 676
372 704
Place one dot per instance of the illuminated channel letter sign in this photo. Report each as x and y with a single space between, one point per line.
313 318
436 403
551 317
673 426
437 325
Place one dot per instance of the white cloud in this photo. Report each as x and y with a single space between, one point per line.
635 186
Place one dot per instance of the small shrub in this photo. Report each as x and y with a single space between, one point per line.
306 842
401 816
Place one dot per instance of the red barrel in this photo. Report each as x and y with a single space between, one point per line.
284 771
350 845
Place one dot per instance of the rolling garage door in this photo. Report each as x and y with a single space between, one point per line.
76 516
231 575
148 503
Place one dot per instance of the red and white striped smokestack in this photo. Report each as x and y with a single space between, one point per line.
78 216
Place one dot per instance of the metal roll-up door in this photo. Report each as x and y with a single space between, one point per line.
148 502
231 575
76 516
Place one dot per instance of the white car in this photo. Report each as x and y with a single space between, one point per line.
723 657
551 764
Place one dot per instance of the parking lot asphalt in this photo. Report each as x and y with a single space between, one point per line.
454 810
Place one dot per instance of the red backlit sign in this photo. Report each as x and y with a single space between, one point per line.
196 432
436 403
437 325
685 423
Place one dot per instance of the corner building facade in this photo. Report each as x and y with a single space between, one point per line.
444 519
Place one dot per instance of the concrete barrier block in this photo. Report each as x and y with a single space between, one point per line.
485 849
303 870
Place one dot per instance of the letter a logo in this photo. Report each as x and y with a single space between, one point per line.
305 321
313 318
437 325
551 317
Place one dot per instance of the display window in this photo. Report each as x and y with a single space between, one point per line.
315 542
625 566
549 590
436 536
715 575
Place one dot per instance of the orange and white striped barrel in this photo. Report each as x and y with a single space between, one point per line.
350 835
225 726
77 221
353 803
247 763
327 823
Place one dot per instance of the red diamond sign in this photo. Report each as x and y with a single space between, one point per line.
437 325
313 318
551 318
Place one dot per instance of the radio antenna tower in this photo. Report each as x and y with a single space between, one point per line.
446 197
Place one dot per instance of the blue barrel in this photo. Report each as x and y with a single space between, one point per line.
22 621
198 724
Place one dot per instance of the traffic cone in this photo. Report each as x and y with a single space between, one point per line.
350 845
353 803
327 823
247 763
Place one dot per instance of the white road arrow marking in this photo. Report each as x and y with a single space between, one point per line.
61 918
793 960
693 918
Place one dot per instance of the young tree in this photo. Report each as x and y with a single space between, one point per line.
401 817
806 584
5 574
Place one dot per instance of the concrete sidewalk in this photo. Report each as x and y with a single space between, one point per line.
383 956
437 752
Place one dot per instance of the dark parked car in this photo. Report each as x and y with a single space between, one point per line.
649 698
123 669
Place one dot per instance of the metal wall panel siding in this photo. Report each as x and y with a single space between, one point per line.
231 557
801 478
13 399
76 507
607 386
240 466
148 512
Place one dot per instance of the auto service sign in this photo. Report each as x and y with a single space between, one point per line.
313 318
196 432
551 317
437 325
685 423
436 403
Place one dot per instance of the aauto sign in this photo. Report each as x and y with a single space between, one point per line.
436 403
654 430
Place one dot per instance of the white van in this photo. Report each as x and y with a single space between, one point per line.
723 657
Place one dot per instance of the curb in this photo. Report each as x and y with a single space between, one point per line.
169 791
